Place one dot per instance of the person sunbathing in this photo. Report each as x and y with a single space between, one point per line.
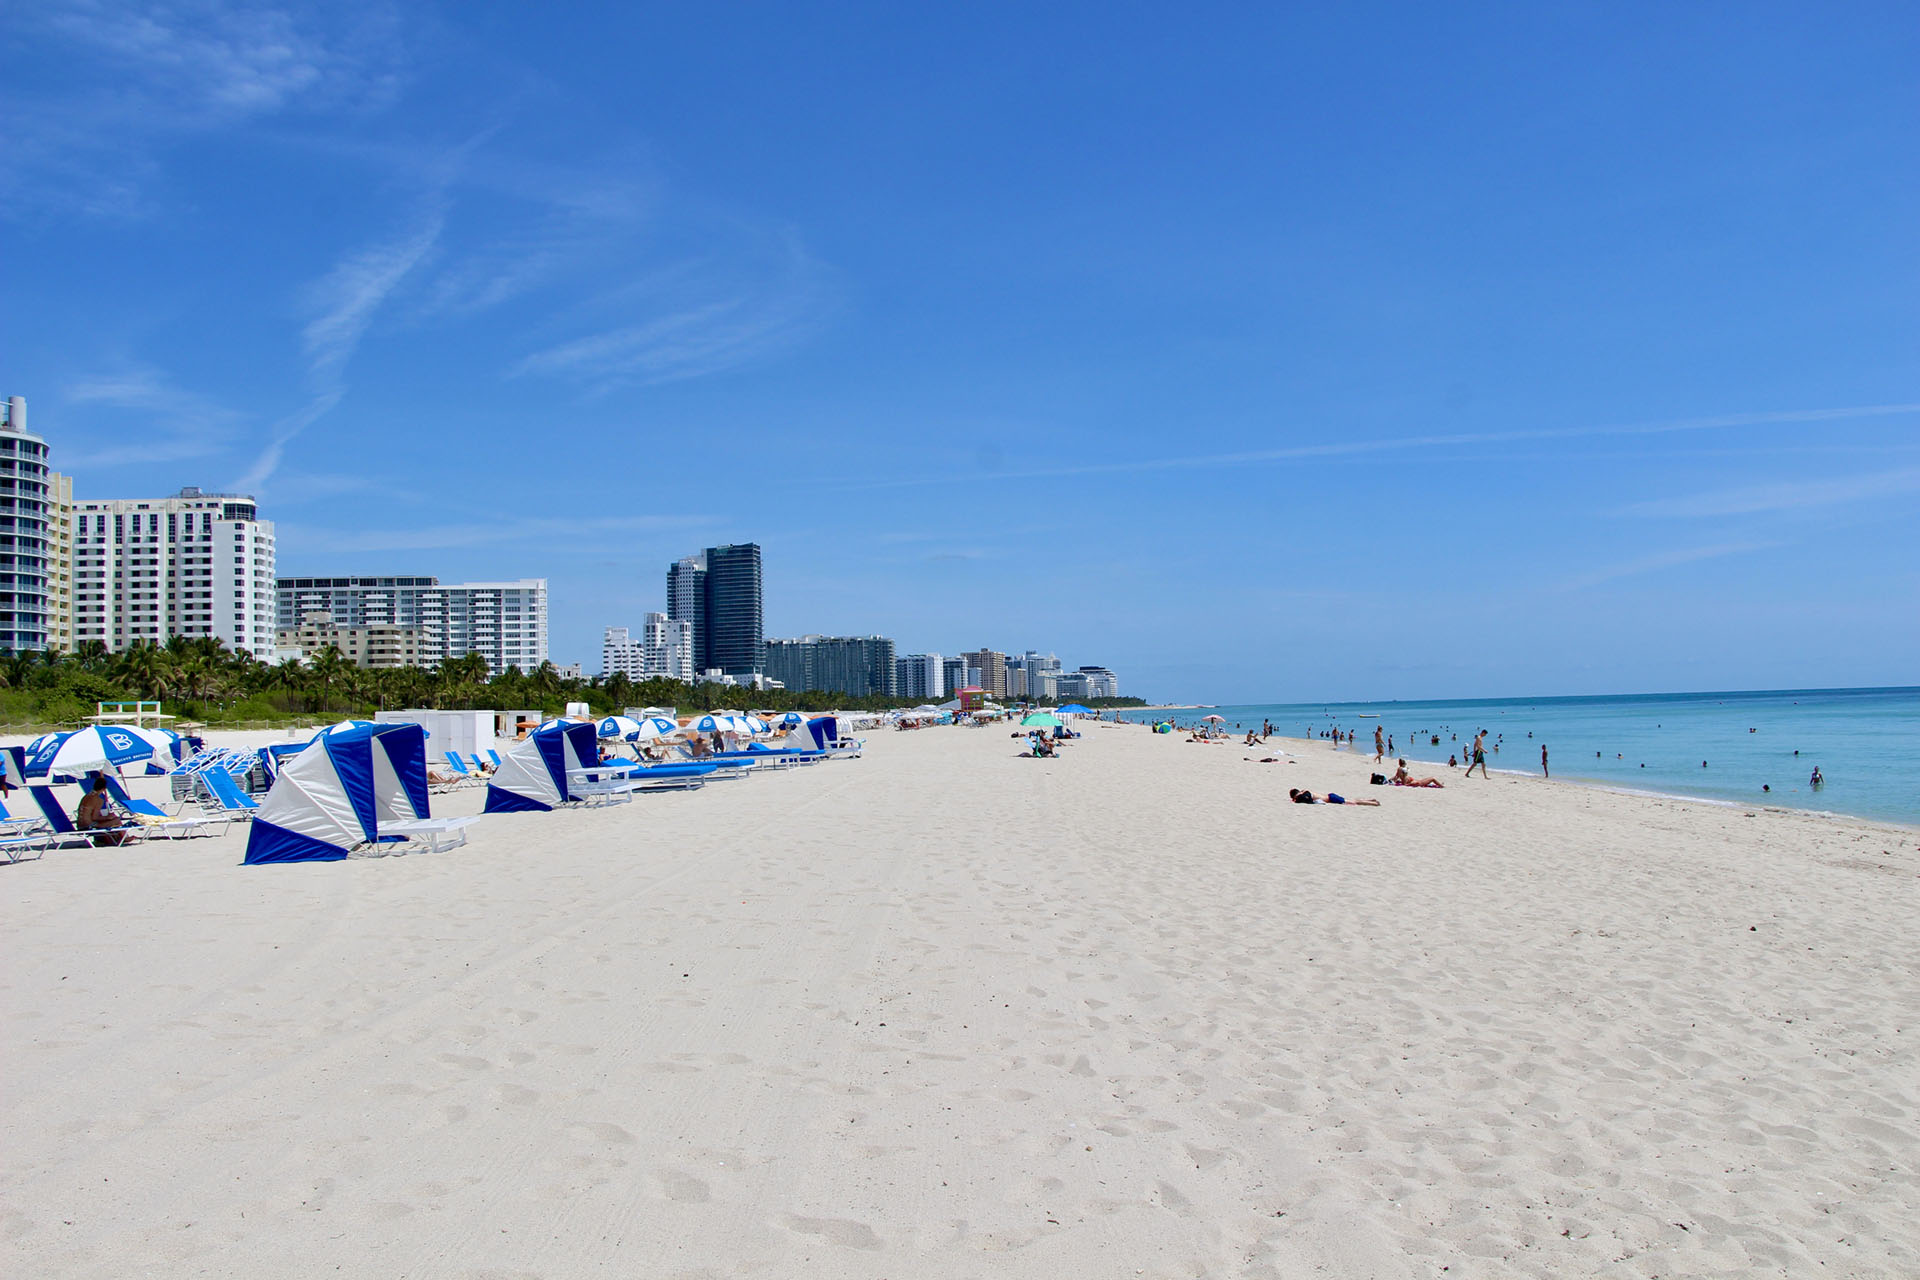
1401 778
1302 796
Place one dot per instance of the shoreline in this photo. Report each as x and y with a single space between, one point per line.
1675 788
1767 805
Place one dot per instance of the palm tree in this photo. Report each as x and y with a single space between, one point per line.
326 667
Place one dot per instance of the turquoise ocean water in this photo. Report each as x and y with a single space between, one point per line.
1866 742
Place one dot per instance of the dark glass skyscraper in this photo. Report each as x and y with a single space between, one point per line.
718 591
736 636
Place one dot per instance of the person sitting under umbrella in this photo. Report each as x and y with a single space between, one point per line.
96 819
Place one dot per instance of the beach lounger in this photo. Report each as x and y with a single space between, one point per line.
61 833
155 821
678 777
438 834
18 834
602 791
461 767
224 794
493 756
480 767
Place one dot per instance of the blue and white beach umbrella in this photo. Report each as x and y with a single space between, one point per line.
720 723
791 720
44 739
619 727
655 727
97 747
755 724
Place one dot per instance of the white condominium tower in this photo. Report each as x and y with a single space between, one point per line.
503 622
664 647
194 564
23 532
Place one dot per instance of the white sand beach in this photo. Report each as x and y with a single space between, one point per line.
945 1012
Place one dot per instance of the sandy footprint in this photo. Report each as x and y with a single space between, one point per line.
841 1231
681 1186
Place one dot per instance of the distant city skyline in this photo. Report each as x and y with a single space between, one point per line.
1260 354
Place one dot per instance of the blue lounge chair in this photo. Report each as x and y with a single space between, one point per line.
155 821
225 794
61 833
493 756
18 835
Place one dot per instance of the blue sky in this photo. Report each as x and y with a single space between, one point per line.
1386 352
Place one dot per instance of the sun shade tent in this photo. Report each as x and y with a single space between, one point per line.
533 774
817 734
332 797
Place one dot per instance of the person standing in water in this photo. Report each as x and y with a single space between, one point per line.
1543 761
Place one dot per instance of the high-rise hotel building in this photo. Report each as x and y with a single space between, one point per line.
719 592
60 562
194 564
503 622
23 532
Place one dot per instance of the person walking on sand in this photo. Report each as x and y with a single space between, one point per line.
1543 761
1479 754
1379 745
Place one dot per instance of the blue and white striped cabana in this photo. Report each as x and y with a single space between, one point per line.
533 773
332 797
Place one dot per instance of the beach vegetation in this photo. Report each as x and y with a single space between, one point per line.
200 679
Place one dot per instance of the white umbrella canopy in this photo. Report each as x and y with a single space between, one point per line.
654 727
756 725
619 727
97 747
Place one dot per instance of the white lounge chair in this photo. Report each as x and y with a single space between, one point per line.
438 834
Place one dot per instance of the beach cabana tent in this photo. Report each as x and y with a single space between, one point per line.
344 726
533 774
817 734
332 797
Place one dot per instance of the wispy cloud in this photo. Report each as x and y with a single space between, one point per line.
173 423
343 303
698 318
1787 496
1663 560
134 77
1410 443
